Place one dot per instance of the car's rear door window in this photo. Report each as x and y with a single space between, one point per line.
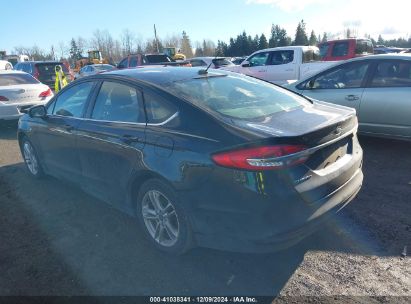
392 74
118 102
281 57
72 101
340 49
157 108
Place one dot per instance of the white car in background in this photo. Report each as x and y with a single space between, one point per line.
282 65
20 91
5 65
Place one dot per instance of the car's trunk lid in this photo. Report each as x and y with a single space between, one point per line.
310 125
24 93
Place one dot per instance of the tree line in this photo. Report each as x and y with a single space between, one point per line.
116 48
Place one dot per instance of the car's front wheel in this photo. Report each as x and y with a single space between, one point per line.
162 217
30 158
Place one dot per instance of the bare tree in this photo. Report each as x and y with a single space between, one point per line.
63 49
127 40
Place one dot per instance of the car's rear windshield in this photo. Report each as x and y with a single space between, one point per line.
48 68
237 96
16 79
222 62
157 58
104 67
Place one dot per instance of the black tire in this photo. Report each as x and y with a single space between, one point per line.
184 241
36 172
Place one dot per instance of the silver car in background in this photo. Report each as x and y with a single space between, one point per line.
93 69
378 87
20 91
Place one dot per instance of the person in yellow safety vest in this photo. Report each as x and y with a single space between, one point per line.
61 80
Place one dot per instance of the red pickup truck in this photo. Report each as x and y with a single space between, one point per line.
343 49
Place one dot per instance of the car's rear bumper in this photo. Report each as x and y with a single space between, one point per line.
272 241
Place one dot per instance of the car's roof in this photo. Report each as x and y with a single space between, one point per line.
162 75
405 56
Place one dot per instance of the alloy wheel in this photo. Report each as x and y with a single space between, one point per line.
30 158
160 218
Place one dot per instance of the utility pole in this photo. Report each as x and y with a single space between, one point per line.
155 35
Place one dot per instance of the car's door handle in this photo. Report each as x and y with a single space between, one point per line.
128 139
352 97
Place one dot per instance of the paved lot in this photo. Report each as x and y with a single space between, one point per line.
57 240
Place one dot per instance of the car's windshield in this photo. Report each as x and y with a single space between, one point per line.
16 79
237 96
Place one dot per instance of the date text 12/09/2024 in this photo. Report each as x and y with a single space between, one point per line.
208 299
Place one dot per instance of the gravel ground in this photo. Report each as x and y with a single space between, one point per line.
57 240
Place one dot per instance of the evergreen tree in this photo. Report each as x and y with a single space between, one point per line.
313 39
300 34
262 42
324 37
278 37
380 41
75 53
186 45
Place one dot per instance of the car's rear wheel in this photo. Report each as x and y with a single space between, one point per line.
162 217
30 159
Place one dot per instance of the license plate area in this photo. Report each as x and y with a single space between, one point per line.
330 154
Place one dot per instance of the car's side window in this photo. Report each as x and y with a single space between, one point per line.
72 101
340 49
118 102
392 74
123 64
157 108
133 61
50 107
346 76
259 59
281 57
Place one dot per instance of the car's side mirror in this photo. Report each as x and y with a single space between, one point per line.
246 64
39 111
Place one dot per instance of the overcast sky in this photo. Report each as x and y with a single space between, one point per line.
46 22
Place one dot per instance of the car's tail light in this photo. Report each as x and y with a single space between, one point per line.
262 158
36 73
3 98
46 93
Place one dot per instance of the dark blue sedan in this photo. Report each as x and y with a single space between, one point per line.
208 158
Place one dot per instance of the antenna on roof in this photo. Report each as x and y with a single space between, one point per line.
205 72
